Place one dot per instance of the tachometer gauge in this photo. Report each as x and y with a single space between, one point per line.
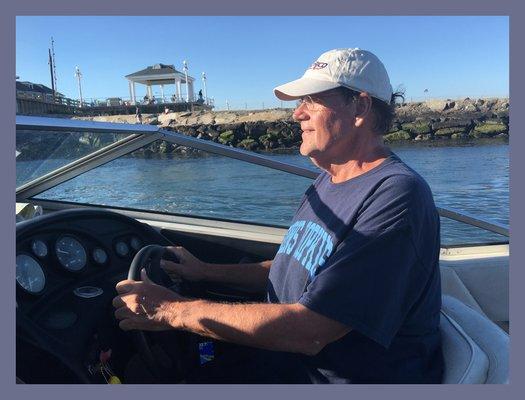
70 253
122 248
29 274
39 248
99 255
136 243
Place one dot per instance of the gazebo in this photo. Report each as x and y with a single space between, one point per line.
160 74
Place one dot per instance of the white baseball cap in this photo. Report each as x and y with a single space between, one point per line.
356 69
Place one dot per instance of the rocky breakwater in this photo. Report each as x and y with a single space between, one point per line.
255 131
451 119
275 130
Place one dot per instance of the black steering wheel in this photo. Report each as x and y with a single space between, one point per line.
149 258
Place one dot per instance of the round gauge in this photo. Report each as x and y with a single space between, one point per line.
99 255
136 243
122 248
29 274
71 253
39 248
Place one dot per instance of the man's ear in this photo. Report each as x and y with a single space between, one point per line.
363 109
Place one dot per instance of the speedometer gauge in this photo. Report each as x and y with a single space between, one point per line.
70 253
29 274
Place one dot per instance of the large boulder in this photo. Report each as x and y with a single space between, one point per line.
448 132
269 141
254 130
437 105
416 128
397 136
212 132
452 123
248 144
227 137
488 129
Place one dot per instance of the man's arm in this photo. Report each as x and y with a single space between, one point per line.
252 277
280 327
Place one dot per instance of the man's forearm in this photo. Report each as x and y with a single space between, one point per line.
252 277
279 327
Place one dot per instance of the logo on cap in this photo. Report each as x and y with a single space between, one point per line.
318 65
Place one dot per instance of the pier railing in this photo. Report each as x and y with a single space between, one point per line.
122 101
47 98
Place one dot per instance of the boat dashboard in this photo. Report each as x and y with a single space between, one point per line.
67 266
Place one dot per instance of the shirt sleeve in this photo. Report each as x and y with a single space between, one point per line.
375 276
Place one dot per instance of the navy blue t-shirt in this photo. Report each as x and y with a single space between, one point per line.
365 253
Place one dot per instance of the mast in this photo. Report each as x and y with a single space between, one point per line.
55 87
51 72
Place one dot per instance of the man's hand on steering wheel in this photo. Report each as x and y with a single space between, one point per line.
187 267
144 305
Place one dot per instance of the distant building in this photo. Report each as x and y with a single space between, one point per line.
35 98
36 91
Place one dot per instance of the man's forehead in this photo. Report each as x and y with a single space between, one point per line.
328 93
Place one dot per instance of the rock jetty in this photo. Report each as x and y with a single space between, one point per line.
270 130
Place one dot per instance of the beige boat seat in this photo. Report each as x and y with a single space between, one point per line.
475 349
482 284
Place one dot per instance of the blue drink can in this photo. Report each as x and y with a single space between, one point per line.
206 352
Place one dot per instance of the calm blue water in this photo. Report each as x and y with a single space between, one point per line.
468 178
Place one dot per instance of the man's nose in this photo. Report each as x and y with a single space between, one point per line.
300 113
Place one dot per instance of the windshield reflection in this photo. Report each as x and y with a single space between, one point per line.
38 153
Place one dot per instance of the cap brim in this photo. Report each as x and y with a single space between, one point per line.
301 87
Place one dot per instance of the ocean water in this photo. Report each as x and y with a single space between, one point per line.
473 178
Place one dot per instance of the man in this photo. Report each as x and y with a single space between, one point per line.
354 289
138 115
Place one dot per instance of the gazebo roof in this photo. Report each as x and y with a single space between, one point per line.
157 69
158 74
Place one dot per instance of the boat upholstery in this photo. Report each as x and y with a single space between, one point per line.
482 283
474 348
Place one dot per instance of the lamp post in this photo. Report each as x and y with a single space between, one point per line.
185 69
204 86
78 74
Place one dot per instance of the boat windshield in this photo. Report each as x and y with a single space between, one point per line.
39 153
161 176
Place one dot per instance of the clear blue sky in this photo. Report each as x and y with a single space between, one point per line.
246 57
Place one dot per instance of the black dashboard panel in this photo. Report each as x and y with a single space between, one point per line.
75 304
93 229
